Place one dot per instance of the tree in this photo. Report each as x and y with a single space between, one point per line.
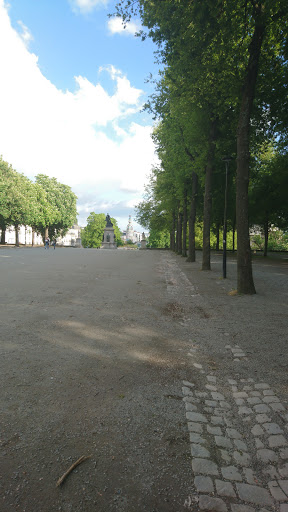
92 234
59 211
220 56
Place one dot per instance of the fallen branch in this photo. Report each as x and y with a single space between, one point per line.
61 480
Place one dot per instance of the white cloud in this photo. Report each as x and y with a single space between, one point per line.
65 134
115 26
26 34
85 6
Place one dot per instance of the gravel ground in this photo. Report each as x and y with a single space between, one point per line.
95 347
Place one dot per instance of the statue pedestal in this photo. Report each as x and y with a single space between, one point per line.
109 241
143 244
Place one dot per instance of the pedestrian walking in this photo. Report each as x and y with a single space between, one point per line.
54 244
47 242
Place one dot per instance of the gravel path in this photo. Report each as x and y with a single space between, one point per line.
176 390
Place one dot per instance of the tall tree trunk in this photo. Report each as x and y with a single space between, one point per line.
217 236
16 235
46 232
185 220
172 232
192 219
179 232
3 234
266 236
206 265
33 233
245 282
234 227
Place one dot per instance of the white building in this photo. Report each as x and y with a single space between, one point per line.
72 237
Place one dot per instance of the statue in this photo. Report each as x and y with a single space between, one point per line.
143 236
108 221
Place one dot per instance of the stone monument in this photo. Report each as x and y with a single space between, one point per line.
143 241
109 237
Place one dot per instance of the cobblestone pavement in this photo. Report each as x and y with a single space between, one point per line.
238 427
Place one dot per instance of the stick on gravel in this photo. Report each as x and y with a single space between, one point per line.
61 480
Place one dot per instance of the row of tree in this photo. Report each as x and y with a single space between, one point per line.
46 205
222 91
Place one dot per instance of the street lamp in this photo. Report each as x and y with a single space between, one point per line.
226 159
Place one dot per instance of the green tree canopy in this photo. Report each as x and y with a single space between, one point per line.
92 234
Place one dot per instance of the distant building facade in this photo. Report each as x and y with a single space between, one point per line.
71 239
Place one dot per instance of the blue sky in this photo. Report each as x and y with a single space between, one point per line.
71 99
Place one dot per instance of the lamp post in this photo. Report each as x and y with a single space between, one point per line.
226 159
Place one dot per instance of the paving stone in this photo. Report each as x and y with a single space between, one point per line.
240 445
224 442
225 405
241 508
267 392
201 394
247 419
196 417
276 492
240 401
217 396
231 473
284 453
225 488
261 408
190 407
272 472
253 400
232 432
188 384
195 427
262 385
211 378
269 399
272 428
254 494
243 459
267 455
257 430
186 391
211 387
283 470
211 403
197 365
225 455
262 418
258 443
203 484
216 431
284 485
255 393
232 382
196 438
197 450
212 504
245 410
240 394
284 508
191 399
249 476
204 466
234 389
277 407
217 420
247 388
209 410
276 441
